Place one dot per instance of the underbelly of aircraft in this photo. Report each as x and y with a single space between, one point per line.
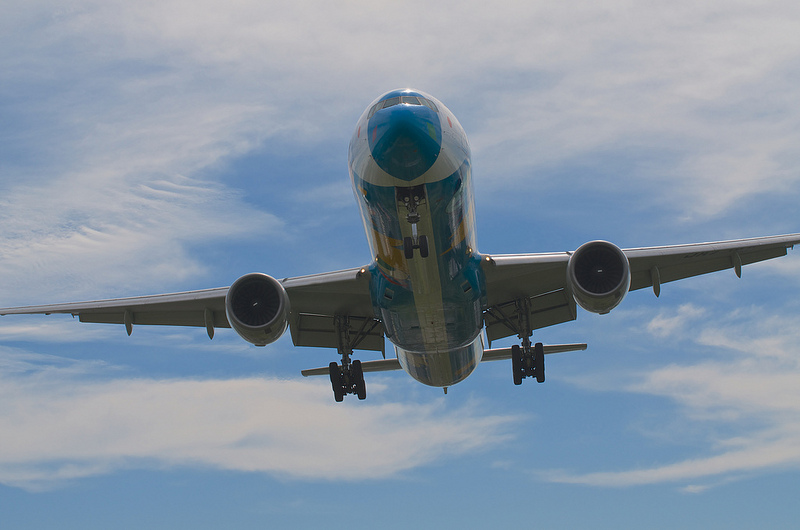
442 368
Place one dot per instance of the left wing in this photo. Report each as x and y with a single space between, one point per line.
536 284
314 300
205 308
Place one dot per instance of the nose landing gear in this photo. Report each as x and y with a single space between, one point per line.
410 244
411 199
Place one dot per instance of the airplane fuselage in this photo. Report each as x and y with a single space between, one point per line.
410 167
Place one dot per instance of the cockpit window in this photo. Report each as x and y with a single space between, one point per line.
397 100
428 103
391 102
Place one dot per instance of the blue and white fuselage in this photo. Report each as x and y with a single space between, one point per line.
410 166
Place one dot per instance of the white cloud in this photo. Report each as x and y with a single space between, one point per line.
665 325
698 97
788 267
62 425
759 455
60 330
73 239
746 401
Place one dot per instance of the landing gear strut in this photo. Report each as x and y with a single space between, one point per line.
411 199
347 378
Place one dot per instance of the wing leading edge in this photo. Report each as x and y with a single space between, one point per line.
315 300
652 266
541 279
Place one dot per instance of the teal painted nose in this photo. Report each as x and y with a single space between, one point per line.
405 140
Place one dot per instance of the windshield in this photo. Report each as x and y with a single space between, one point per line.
404 100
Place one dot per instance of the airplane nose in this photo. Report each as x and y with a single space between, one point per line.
405 140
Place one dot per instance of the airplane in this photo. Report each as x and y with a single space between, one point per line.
427 290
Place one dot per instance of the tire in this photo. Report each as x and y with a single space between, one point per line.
408 247
516 363
539 352
336 381
423 246
358 378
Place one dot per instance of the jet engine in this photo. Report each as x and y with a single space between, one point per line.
257 307
599 276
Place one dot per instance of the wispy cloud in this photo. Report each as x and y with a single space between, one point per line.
756 455
694 103
114 103
61 426
60 330
74 238
746 400
665 325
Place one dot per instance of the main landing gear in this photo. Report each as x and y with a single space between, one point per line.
411 199
347 378
526 360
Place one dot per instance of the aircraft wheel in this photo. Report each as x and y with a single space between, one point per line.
336 381
408 247
358 380
423 246
539 360
516 364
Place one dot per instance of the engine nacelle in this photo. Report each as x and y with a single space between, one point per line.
599 276
257 307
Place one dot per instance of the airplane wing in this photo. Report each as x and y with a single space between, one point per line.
541 278
314 300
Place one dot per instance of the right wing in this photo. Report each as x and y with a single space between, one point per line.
315 302
541 279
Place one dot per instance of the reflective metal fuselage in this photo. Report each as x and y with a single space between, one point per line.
410 167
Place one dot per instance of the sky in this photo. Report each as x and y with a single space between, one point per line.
150 147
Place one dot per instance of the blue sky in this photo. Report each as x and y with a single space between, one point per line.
163 146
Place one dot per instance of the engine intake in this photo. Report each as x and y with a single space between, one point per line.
599 276
257 307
